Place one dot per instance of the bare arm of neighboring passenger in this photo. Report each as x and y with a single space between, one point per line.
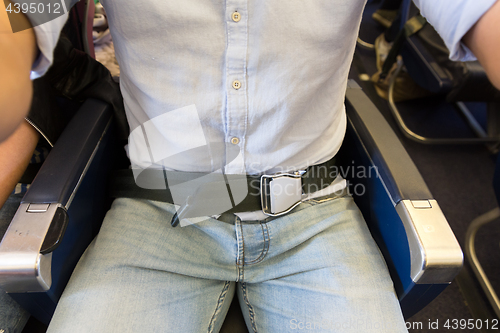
18 52
15 154
483 39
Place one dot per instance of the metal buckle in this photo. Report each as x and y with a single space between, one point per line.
280 193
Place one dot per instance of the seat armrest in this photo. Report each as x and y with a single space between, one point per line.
395 167
39 223
435 255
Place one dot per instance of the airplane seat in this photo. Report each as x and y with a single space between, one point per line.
426 59
67 198
46 97
422 254
64 207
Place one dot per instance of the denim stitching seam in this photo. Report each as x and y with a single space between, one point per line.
218 308
265 236
240 260
251 312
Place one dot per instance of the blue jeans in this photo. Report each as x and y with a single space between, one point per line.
315 269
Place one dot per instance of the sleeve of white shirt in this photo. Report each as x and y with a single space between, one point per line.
47 35
452 19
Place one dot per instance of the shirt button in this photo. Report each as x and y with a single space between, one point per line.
235 140
236 84
236 17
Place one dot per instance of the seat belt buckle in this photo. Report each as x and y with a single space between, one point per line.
280 193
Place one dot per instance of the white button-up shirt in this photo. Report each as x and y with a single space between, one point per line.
266 77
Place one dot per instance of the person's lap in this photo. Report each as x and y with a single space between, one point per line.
316 266
328 275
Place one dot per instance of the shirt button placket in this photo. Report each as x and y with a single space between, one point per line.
236 53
